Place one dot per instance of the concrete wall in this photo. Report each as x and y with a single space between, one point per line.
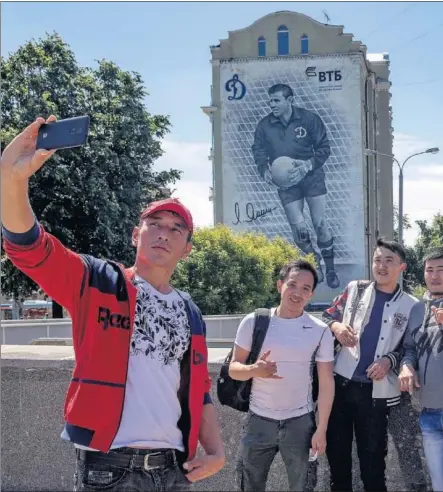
19 332
220 329
34 381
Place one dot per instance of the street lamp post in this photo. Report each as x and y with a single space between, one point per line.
433 150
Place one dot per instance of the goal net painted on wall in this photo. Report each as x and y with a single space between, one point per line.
330 87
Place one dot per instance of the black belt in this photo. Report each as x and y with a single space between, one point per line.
342 381
147 459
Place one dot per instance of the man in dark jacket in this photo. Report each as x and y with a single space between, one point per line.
422 364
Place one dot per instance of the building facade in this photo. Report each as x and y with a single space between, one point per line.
295 106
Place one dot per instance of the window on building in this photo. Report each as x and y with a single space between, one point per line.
283 40
261 46
304 44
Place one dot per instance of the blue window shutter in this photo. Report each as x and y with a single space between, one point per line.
283 40
304 44
261 46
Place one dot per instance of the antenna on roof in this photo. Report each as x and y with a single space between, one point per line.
327 18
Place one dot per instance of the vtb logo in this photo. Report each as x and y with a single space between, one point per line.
113 320
327 76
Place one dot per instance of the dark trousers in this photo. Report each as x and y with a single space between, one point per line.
113 473
263 438
354 411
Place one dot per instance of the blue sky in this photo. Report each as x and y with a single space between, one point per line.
168 43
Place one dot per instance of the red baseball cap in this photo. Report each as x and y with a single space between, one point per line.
170 205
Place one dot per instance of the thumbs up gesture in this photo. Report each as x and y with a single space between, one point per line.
438 314
265 368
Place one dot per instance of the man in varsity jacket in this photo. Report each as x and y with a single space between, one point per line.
368 320
138 402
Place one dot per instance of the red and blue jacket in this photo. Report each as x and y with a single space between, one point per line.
101 298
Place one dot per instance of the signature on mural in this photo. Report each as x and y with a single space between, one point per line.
250 212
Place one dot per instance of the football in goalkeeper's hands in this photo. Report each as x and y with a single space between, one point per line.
280 170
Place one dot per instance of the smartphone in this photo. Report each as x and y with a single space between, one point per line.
63 134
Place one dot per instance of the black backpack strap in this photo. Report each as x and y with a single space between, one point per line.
361 287
261 324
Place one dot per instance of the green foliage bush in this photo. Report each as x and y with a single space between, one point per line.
230 273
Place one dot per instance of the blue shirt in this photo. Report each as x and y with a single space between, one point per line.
369 339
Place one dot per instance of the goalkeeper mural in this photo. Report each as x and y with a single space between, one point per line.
290 148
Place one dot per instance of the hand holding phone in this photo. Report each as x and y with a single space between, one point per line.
63 134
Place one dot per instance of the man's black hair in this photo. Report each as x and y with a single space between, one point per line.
393 246
283 88
298 265
433 254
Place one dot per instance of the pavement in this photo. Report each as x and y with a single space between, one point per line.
34 458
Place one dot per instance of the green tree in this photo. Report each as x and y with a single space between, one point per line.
406 222
411 258
419 291
430 235
233 273
89 197
413 275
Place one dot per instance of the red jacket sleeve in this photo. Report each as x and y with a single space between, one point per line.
208 382
56 269
335 311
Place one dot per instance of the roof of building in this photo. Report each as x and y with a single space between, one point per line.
290 13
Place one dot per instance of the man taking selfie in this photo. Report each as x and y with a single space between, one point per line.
138 402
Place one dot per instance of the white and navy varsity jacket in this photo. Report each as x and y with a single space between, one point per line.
353 307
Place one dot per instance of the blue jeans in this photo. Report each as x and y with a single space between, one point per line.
431 424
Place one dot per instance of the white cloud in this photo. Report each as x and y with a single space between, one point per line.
432 171
196 178
423 181
405 145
